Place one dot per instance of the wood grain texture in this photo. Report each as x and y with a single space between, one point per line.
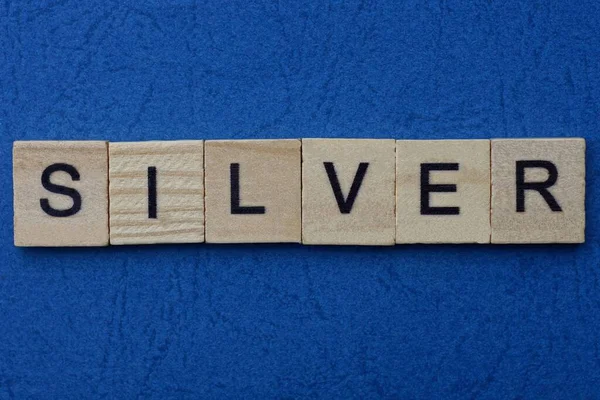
33 226
370 221
538 223
179 192
269 177
472 196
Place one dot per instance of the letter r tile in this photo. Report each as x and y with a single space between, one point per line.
60 193
253 191
348 191
538 190
443 191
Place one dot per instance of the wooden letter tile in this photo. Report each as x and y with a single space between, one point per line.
253 191
538 191
157 192
348 191
443 191
60 193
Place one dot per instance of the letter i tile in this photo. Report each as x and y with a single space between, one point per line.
157 192
538 190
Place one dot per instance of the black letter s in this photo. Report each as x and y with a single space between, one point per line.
58 189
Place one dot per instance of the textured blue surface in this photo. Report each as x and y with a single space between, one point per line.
205 321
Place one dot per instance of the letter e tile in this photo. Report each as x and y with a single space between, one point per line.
443 191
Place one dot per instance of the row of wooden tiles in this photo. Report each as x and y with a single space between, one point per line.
313 191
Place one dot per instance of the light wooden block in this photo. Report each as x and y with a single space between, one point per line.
269 187
429 213
156 192
554 215
334 165
60 193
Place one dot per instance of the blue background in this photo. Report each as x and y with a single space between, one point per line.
207 321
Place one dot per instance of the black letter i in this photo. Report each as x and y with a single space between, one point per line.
152 208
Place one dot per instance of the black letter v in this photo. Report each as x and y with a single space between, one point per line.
345 204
